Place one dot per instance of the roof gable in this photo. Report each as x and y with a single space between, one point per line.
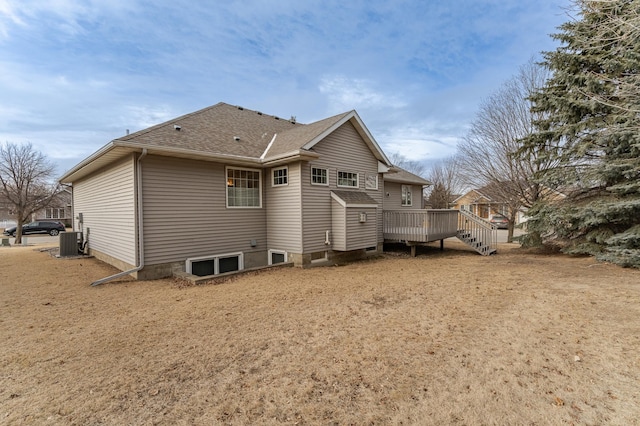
306 137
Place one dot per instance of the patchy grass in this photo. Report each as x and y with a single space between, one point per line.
444 338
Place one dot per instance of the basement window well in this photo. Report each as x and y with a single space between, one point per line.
277 256
214 265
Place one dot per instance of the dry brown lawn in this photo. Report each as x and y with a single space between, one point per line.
444 338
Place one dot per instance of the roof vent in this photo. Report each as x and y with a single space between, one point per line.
293 119
236 138
259 113
276 117
176 127
240 108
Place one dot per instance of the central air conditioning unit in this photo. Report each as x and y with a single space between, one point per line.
69 243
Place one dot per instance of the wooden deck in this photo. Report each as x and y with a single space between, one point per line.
419 226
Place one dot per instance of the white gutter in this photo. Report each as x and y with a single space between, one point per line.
140 227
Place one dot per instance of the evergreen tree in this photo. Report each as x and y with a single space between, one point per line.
592 129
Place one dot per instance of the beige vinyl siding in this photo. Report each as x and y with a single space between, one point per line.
338 226
360 235
342 150
394 200
348 232
106 200
185 213
284 215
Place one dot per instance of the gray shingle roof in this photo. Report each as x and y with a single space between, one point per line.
213 129
405 176
354 198
295 138
224 131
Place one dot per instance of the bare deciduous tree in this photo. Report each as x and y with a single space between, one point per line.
488 154
415 167
25 179
445 179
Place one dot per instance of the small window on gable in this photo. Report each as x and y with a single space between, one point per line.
371 181
348 179
406 195
319 176
280 176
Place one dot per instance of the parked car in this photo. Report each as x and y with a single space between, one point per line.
40 227
499 221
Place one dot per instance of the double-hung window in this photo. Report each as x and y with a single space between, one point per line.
319 176
54 213
348 179
406 195
243 188
280 176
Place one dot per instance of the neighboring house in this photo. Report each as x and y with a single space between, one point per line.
226 188
59 209
482 202
487 201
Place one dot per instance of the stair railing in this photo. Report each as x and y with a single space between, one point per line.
478 233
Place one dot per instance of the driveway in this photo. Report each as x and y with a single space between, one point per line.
36 239
502 234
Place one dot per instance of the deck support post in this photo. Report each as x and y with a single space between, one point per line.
442 245
413 250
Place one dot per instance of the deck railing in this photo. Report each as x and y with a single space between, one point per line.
420 225
477 232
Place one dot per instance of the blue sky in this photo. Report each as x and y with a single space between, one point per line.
76 74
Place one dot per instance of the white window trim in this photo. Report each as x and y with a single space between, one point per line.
326 174
366 181
410 189
226 190
215 258
347 186
273 183
277 252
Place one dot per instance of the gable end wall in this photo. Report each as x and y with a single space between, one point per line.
342 150
106 200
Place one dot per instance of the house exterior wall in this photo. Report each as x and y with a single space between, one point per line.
284 211
394 200
107 202
477 204
361 234
186 216
342 150
338 226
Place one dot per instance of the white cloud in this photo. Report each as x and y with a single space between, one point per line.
345 94
146 116
75 74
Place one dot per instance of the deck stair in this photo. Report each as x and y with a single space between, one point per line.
477 233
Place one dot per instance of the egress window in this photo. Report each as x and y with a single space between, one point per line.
243 188
214 265
348 179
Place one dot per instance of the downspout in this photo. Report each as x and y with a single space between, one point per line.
140 229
